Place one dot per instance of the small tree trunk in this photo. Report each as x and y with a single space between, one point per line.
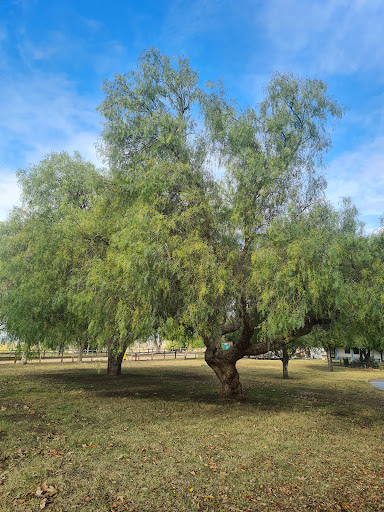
114 362
231 388
365 356
80 354
368 358
285 361
329 360
24 358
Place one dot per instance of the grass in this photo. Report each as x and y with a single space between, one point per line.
159 439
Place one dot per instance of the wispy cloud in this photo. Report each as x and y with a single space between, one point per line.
41 113
43 110
186 19
332 36
359 174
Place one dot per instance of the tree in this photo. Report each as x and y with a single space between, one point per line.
211 256
362 325
161 246
286 352
39 252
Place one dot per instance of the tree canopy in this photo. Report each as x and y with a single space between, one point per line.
211 219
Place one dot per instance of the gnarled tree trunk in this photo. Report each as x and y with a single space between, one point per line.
231 388
223 362
114 362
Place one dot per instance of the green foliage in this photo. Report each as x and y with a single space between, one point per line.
158 245
39 251
189 248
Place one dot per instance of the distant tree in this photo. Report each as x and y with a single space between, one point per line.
38 252
321 338
285 354
360 319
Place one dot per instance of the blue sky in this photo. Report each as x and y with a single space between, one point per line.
54 56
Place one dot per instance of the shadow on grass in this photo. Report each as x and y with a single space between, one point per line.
197 385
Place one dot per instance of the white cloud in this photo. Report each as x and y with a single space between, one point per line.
9 192
359 174
332 36
42 113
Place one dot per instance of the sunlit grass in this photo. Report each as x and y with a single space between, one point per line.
159 439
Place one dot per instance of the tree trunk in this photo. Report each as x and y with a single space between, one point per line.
329 359
80 354
231 388
285 361
366 356
114 362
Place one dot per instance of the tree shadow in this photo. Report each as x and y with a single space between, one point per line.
199 386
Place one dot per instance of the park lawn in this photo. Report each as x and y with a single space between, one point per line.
158 438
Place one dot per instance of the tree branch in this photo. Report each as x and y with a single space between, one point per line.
275 344
232 326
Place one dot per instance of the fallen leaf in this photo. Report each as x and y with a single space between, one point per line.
32 411
3 408
43 502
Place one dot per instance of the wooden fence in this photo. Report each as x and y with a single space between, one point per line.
93 355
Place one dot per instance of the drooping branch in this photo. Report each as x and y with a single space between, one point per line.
276 343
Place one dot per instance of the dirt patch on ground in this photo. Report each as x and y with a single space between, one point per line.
17 417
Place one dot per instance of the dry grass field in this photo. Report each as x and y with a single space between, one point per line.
158 439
